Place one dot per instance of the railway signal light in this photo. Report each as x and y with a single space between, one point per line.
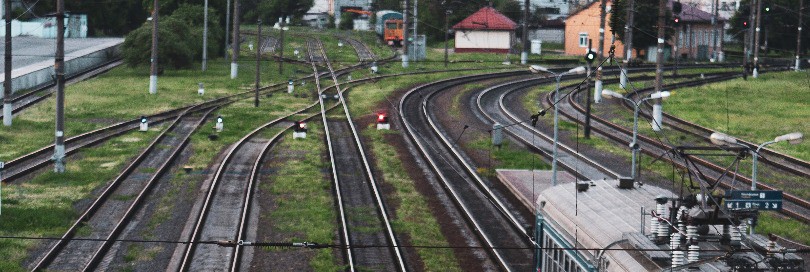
299 130
676 21
745 23
382 121
290 86
144 124
590 56
219 124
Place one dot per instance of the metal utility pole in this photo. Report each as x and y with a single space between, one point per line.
750 40
628 31
59 68
628 43
587 130
205 37
447 34
7 106
258 61
405 34
524 56
235 42
227 27
597 95
798 36
659 64
715 33
281 47
154 59
755 74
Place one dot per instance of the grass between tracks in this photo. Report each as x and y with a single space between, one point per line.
755 110
44 206
122 94
769 221
412 216
304 205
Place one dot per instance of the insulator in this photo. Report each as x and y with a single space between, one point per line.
663 228
694 253
654 227
691 232
736 236
675 241
677 258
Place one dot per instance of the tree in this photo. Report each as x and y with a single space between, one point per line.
271 10
346 21
780 23
180 38
645 22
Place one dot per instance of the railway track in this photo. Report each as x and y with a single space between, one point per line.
122 197
225 209
363 214
26 100
794 207
500 231
362 50
770 157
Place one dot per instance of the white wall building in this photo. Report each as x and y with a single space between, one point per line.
552 8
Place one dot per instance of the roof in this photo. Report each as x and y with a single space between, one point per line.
486 18
693 14
617 210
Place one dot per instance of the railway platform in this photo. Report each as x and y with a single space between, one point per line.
32 58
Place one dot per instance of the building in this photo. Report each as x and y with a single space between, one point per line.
602 227
694 40
552 9
582 26
486 30
698 38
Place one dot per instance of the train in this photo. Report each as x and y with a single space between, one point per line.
389 26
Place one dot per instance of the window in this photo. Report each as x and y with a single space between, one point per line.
583 39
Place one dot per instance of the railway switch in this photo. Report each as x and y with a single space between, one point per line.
382 122
200 89
300 130
290 86
219 124
144 124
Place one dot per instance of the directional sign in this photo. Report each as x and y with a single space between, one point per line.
760 200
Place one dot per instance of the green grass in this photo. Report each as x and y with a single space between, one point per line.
772 222
508 157
43 207
122 94
303 196
413 215
756 110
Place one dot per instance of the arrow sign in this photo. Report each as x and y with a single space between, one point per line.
760 200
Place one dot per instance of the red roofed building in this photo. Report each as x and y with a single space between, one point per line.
486 30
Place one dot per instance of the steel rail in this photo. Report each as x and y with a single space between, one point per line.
791 198
104 196
372 181
413 134
216 180
768 154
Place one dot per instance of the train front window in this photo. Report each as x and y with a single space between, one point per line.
392 25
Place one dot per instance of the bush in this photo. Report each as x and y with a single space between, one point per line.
179 39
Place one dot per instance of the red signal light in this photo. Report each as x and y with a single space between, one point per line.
382 118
